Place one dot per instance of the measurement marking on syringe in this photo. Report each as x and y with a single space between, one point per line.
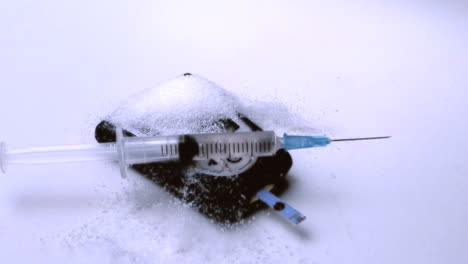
227 149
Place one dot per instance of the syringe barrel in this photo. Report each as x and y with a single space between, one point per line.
234 145
152 149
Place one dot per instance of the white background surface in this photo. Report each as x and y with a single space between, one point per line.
355 69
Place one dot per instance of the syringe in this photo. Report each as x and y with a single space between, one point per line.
139 150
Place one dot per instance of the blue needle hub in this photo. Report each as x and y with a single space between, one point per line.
298 142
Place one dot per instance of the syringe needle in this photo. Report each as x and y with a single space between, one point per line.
353 139
298 142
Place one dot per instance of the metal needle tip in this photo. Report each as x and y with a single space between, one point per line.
353 139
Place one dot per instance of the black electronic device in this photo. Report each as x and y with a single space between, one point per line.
221 198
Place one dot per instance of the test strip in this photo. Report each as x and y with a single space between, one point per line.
280 206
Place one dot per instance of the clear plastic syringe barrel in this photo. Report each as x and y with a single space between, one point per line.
238 144
136 151
151 149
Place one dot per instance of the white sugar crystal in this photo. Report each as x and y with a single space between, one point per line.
193 104
186 104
